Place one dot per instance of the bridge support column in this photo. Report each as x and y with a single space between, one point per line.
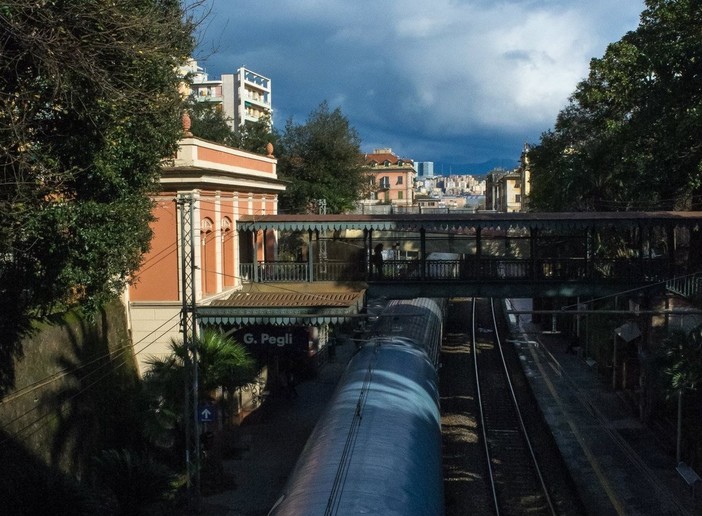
534 233
310 256
254 254
265 245
478 251
670 237
589 246
642 272
423 252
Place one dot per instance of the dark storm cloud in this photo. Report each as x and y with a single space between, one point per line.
446 81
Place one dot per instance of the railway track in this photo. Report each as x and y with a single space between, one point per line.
515 477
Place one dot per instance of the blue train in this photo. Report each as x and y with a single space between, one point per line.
377 448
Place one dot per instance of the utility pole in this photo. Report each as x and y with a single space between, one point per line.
189 330
322 210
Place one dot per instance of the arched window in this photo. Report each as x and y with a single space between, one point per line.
228 265
208 258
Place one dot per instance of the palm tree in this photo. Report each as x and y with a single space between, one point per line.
222 362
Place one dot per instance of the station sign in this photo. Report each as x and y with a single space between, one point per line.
206 412
268 337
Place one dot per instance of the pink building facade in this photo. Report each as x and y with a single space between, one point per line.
224 184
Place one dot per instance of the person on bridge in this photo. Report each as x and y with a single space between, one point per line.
378 260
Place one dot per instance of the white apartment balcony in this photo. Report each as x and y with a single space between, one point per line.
255 98
254 112
256 81
217 99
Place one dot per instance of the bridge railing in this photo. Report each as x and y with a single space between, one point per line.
471 268
273 272
687 286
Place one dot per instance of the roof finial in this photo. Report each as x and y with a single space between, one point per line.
187 123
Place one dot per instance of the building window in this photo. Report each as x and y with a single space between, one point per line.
518 198
399 180
400 195
385 182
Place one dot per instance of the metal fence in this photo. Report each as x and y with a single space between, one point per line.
467 269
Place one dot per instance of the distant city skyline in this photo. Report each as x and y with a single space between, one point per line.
462 84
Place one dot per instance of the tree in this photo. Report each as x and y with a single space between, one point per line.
679 364
136 481
629 138
681 359
89 106
255 136
322 160
222 362
210 123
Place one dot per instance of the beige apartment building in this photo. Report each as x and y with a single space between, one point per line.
508 191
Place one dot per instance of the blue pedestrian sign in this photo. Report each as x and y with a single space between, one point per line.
206 412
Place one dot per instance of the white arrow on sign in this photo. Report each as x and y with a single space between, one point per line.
206 413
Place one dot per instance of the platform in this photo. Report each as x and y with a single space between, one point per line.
617 463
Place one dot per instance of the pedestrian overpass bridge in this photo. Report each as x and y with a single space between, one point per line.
473 254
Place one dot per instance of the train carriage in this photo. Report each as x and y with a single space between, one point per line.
377 448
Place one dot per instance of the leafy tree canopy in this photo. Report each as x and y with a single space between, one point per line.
210 123
255 136
322 160
629 138
89 106
681 357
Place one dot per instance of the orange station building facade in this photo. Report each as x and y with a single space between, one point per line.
225 184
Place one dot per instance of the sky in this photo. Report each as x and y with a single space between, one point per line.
455 82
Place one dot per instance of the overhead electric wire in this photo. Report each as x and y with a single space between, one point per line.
112 355
64 372
16 434
628 291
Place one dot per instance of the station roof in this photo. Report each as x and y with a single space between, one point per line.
464 221
286 304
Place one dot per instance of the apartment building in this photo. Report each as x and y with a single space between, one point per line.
503 191
424 168
392 178
200 86
251 98
508 191
244 96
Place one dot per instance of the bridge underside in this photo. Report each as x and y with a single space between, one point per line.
501 289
